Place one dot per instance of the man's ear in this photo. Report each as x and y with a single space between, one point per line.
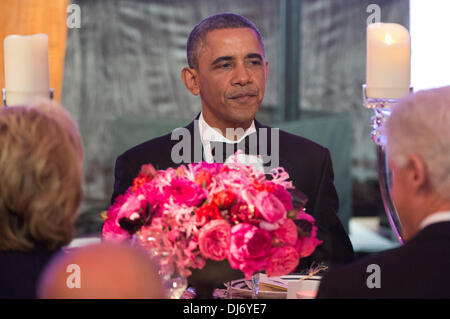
417 173
266 64
190 79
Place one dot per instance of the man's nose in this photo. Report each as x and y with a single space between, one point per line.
242 75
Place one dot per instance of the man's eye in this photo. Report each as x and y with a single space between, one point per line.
224 65
255 62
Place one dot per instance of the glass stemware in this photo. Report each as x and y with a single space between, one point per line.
173 280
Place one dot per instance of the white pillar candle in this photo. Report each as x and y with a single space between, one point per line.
26 68
388 65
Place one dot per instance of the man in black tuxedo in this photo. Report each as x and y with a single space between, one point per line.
418 146
227 68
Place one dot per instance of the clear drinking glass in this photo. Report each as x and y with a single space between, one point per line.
255 286
174 282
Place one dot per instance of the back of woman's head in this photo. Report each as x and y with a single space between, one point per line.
40 176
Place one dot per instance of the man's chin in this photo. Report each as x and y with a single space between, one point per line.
240 121
240 117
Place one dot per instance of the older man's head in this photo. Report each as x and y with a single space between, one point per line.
418 146
102 271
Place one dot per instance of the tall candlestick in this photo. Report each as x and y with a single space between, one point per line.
26 68
388 65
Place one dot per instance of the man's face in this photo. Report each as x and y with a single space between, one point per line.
232 75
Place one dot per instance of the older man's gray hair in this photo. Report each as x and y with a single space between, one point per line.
420 124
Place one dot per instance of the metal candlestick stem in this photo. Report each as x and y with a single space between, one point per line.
51 95
382 109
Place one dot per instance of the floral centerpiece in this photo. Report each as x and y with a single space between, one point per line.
218 212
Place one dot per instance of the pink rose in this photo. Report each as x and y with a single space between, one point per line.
282 261
250 246
214 239
286 233
183 191
270 207
305 246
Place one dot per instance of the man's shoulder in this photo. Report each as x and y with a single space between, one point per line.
350 280
290 141
395 268
155 144
360 265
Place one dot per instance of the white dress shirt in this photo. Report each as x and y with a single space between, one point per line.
434 218
209 134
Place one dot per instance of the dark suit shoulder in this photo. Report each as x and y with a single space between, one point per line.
301 142
289 141
157 143
20 271
424 259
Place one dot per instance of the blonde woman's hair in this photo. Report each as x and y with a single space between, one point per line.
41 157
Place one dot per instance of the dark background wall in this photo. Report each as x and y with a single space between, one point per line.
122 71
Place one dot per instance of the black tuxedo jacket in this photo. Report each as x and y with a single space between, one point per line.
309 167
20 272
419 269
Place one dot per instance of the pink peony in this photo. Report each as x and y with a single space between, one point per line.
249 249
307 241
183 191
154 197
111 229
133 208
214 239
286 233
269 206
305 216
282 261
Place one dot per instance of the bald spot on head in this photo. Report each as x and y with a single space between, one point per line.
107 270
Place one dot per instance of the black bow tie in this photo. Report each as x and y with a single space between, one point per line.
221 151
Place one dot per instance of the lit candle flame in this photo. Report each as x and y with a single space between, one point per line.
388 39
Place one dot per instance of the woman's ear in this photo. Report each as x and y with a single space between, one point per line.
190 79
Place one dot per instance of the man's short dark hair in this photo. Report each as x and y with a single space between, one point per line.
216 22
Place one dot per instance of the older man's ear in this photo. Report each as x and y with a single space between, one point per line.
190 79
418 176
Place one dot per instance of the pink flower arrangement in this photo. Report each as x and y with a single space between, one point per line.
215 211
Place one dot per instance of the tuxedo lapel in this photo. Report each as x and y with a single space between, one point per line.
197 152
271 151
